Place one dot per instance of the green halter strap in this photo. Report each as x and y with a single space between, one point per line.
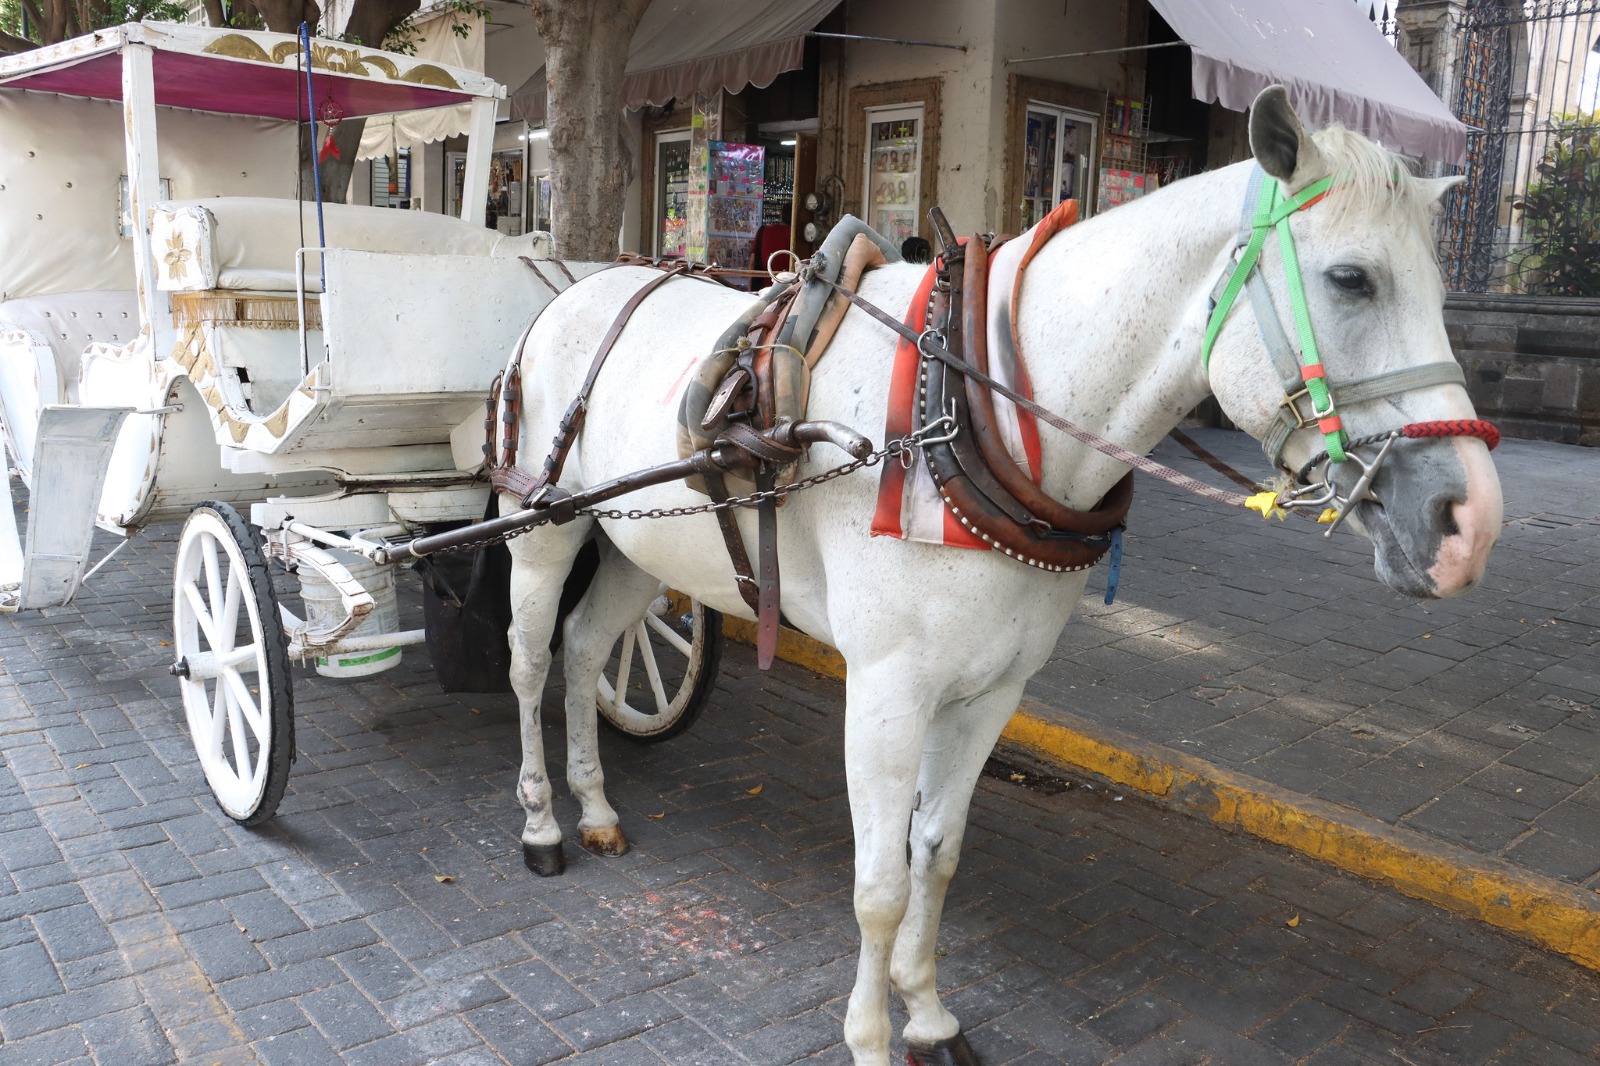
1272 212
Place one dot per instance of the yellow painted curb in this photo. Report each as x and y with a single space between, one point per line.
1551 913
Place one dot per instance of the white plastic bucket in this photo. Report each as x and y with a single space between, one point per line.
323 608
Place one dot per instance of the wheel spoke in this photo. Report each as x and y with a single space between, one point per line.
670 635
202 615
215 725
241 660
208 557
228 620
247 703
624 667
241 749
648 654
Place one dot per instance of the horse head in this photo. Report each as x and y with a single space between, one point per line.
1382 429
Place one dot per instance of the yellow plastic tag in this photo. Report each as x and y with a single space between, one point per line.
1267 504
1327 516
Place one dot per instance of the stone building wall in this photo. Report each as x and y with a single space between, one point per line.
1532 365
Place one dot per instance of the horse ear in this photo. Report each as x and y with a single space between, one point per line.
1281 145
1434 188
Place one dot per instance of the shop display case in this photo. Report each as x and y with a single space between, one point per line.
733 207
893 182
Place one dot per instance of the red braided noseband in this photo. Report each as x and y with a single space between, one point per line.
1454 427
1451 427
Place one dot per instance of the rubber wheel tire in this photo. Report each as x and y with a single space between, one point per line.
243 735
687 695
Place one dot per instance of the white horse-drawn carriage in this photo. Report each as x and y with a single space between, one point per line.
214 340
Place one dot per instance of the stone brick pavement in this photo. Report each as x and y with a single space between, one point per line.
1265 649
384 917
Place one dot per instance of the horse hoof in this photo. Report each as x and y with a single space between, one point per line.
952 1052
546 860
607 840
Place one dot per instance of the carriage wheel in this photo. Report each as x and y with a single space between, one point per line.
664 668
233 663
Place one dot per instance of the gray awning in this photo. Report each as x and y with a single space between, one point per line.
688 46
530 101
1333 61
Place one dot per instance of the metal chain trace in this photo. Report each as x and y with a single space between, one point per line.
897 447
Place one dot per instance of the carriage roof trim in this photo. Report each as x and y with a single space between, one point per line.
244 72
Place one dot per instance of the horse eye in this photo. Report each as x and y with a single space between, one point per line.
1353 280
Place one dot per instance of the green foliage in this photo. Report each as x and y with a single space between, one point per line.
1561 212
116 12
101 13
403 38
11 19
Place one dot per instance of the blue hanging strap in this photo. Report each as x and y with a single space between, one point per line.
1114 567
316 159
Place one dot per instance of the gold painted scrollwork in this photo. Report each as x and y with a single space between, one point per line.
238 46
428 74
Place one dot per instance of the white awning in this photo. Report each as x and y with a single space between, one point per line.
1333 61
688 46
436 39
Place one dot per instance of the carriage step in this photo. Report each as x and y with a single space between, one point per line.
70 456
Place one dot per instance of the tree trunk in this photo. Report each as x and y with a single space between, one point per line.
586 52
285 16
336 172
371 21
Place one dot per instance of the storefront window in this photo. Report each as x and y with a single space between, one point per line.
672 193
391 180
1058 159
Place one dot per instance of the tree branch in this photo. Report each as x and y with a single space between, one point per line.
214 14
10 45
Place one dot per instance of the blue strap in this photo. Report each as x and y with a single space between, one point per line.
1114 568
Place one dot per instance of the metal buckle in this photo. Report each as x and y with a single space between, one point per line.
1291 401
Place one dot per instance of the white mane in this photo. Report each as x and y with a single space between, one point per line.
1369 178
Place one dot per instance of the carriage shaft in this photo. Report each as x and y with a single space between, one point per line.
554 505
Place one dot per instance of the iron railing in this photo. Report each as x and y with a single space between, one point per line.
1525 80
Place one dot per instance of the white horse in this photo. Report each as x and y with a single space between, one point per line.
940 641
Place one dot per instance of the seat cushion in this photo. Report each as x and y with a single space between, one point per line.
70 322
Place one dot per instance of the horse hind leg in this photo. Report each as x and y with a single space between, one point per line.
958 742
618 598
541 561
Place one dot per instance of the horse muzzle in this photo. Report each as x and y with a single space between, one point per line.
1432 521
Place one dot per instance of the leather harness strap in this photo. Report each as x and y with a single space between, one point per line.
974 471
510 478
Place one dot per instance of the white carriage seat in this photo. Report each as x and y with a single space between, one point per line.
69 322
249 242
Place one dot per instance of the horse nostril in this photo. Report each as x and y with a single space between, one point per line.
1447 518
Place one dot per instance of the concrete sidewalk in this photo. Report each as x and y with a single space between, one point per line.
1274 655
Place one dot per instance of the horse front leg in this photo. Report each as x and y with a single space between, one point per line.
958 743
618 598
885 719
541 561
